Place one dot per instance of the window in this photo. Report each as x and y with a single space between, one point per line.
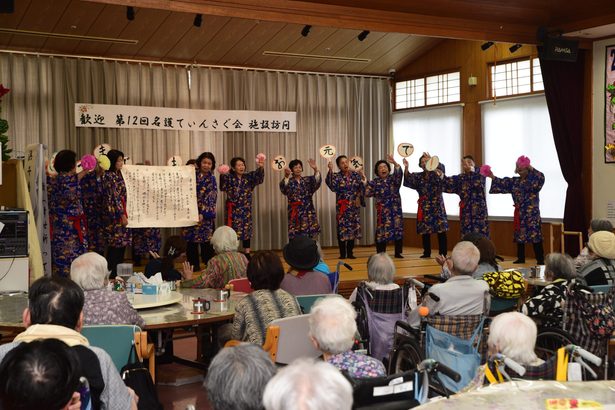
515 127
433 130
517 77
432 90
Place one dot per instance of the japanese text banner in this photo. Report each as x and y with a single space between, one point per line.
181 119
160 197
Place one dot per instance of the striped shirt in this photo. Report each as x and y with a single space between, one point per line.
254 313
220 269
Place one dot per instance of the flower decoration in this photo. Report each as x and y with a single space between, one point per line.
261 157
88 162
485 170
3 90
224 169
610 149
104 162
523 162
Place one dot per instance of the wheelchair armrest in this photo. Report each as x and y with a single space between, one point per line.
405 326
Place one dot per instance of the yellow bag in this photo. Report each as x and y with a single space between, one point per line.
506 284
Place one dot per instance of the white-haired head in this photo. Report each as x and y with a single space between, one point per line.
225 239
237 377
380 268
308 385
514 335
90 271
332 324
465 258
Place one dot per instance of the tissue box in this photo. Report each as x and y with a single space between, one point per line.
150 289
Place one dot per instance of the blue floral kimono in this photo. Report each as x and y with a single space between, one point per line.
92 200
239 200
470 186
526 200
349 192
206 197
114 189
67 222
431 214
302 218
389 219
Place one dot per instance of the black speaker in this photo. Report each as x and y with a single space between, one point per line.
7 6
559 49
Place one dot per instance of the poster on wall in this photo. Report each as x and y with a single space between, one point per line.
609 109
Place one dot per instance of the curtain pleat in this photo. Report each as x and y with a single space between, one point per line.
352 113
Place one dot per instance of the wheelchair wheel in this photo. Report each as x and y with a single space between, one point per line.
406 356
549 340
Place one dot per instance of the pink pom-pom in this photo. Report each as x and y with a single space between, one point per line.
261 157
523 162
88 162
224 169
485 170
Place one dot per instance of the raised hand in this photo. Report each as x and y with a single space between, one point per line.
391 159
187 270
313 165
405 162
287 172
330 165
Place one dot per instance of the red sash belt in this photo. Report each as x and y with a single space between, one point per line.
124 206
379 208
419 214
344 204
77 220
229 213
462 206
517 219
294 212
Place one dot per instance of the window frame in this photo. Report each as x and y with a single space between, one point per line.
424 78
531 58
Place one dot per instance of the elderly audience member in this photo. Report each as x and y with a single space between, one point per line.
461 294
54 312
228 264
308 385
596 225
601 269
547 305
42 374
102 306
380 274
237 377
268 302
173 252
486 263
302 255
332 330
514 335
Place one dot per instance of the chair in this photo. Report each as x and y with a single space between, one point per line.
117 341
395 391
241 285
287 339
307 301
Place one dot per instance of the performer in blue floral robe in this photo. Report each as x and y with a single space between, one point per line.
206 197
144 241
302 218
525 190
431 214
349 191
238 186
470 186
66 218
389 220
92 200
115 218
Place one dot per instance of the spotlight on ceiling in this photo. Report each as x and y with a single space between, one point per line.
363 35
306 30
198 20
487 45
515 47
130 13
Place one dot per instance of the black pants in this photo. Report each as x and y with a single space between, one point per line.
346 248
115 256
538 252
192 253
245 243
442 244
399 246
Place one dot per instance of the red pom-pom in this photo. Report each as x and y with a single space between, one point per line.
88 162
485 170
261 157
224 169
523 162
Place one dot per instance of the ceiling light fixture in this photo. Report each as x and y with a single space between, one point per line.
363 35
317 57
306 30
67 36
515 47
486 46
130 13
198 20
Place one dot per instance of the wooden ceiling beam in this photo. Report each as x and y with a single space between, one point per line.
347 17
